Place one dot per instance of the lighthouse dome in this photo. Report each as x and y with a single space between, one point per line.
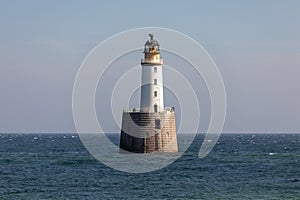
151 45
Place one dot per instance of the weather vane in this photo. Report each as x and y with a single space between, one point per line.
151 36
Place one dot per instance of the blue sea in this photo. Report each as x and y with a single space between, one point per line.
241 166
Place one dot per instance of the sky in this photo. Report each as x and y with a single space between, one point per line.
255 44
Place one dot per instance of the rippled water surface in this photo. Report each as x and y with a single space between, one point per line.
57 166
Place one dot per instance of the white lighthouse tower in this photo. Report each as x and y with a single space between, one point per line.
152 128
152 91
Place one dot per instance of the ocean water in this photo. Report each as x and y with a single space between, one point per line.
57 166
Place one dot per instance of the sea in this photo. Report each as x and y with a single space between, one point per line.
240 166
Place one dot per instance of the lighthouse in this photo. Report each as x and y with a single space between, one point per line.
152 128
152 91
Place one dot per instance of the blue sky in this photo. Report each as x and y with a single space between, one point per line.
256 45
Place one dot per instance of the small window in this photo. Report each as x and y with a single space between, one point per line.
155 69
157 123
155 93
155 81
155 108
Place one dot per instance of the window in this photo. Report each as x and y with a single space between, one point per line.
155 81
155 93
155 69
155 108
157 123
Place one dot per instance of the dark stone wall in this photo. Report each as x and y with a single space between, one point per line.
148 132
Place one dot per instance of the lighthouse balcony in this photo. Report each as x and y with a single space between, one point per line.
148 110
152 61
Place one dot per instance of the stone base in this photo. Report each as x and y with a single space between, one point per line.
144 132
